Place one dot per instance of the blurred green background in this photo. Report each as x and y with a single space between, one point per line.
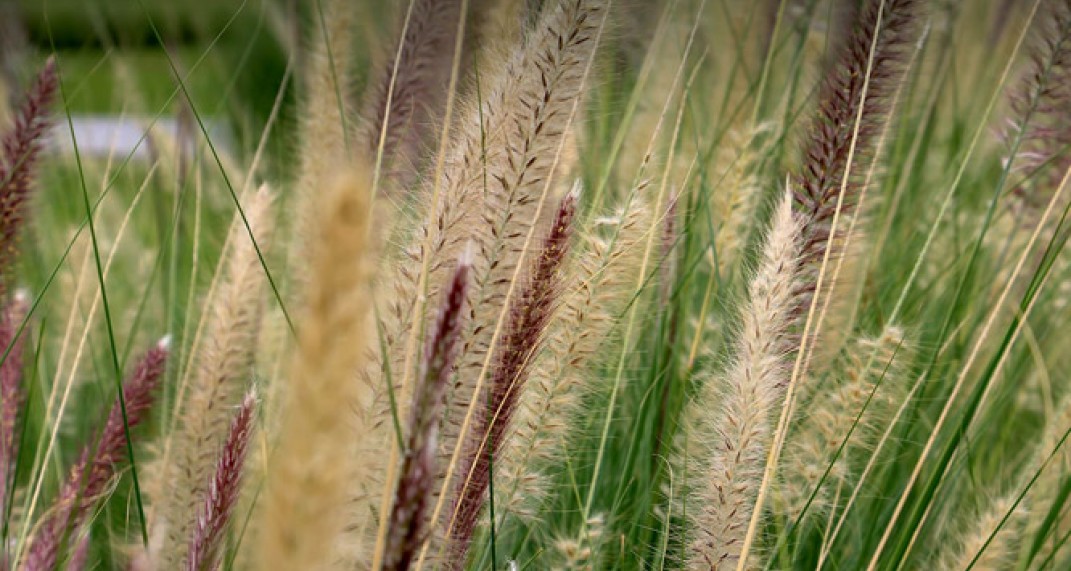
232 55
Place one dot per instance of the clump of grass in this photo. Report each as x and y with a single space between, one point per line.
741 437
80 554
487 369
491 191
530 106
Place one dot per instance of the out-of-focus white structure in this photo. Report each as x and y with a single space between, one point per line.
140 138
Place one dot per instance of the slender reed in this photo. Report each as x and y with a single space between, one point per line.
523 336
96 464
408 522
206 543
313 463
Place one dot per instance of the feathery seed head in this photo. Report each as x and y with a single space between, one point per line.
523 336
314 462
20 148
407 527
325 127
734 440
96 464
859 396
408 100
853 104
982 545
12 338
206 543
1042 107
223 361
594 292
734 204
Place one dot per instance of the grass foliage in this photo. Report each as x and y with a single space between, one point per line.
521 284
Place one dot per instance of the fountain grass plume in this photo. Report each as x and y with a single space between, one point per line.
1003 528
854 101
487 192
1042 109
527 115
325 122
407 102
522 338
20 149
595 290
80 554
96 465
224 362
988 542
206 543
857 397
323 417
12 341
733 442
734 205
408 522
